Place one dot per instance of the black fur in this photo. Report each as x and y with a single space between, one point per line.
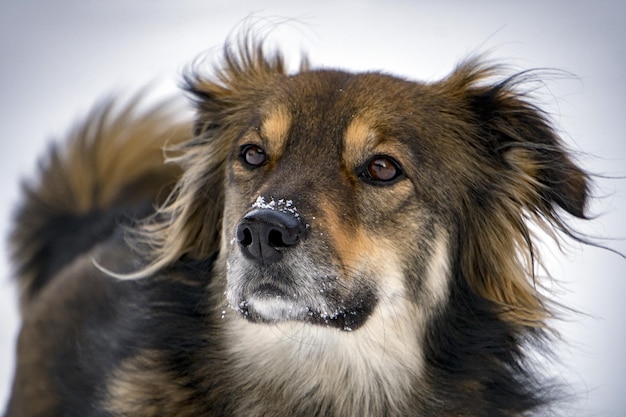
437 320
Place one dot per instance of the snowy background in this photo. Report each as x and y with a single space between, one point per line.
58 57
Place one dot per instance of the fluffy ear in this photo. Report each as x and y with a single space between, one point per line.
526 176
522 134
243 71
189 223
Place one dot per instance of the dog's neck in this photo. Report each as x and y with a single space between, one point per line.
370 371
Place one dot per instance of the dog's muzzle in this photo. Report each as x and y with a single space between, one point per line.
264 234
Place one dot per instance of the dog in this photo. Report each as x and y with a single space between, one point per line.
313 243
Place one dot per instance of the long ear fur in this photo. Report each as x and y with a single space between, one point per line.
189 223
533 180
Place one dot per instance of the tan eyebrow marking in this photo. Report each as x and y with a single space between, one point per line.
274 130
359 140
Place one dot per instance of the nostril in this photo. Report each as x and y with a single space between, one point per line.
275 239
247 237
244 236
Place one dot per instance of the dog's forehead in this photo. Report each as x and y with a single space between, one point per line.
334 107
320 91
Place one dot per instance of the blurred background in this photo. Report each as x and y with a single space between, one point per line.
58 58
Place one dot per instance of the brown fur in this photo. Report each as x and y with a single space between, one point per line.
413 296
115 158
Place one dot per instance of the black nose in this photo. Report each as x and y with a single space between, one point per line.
264 234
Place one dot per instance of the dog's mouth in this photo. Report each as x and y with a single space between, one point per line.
274 302
268 290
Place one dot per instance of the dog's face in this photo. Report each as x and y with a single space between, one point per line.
332 195
332 203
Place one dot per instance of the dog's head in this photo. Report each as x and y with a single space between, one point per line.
323 217
329 194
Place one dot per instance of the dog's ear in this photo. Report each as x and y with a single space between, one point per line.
527 176
522 135
244 70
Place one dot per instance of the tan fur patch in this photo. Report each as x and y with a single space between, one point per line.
523 161
351 243
140 387
118 152
274 130
362 141
359 139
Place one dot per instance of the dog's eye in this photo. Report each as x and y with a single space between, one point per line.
253 156
380 170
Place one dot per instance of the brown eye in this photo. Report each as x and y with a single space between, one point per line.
380 170
253 156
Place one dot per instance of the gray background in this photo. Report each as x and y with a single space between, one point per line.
58 57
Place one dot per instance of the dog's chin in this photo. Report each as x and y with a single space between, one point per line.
271 305
272 309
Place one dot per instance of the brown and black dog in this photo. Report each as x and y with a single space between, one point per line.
324 244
